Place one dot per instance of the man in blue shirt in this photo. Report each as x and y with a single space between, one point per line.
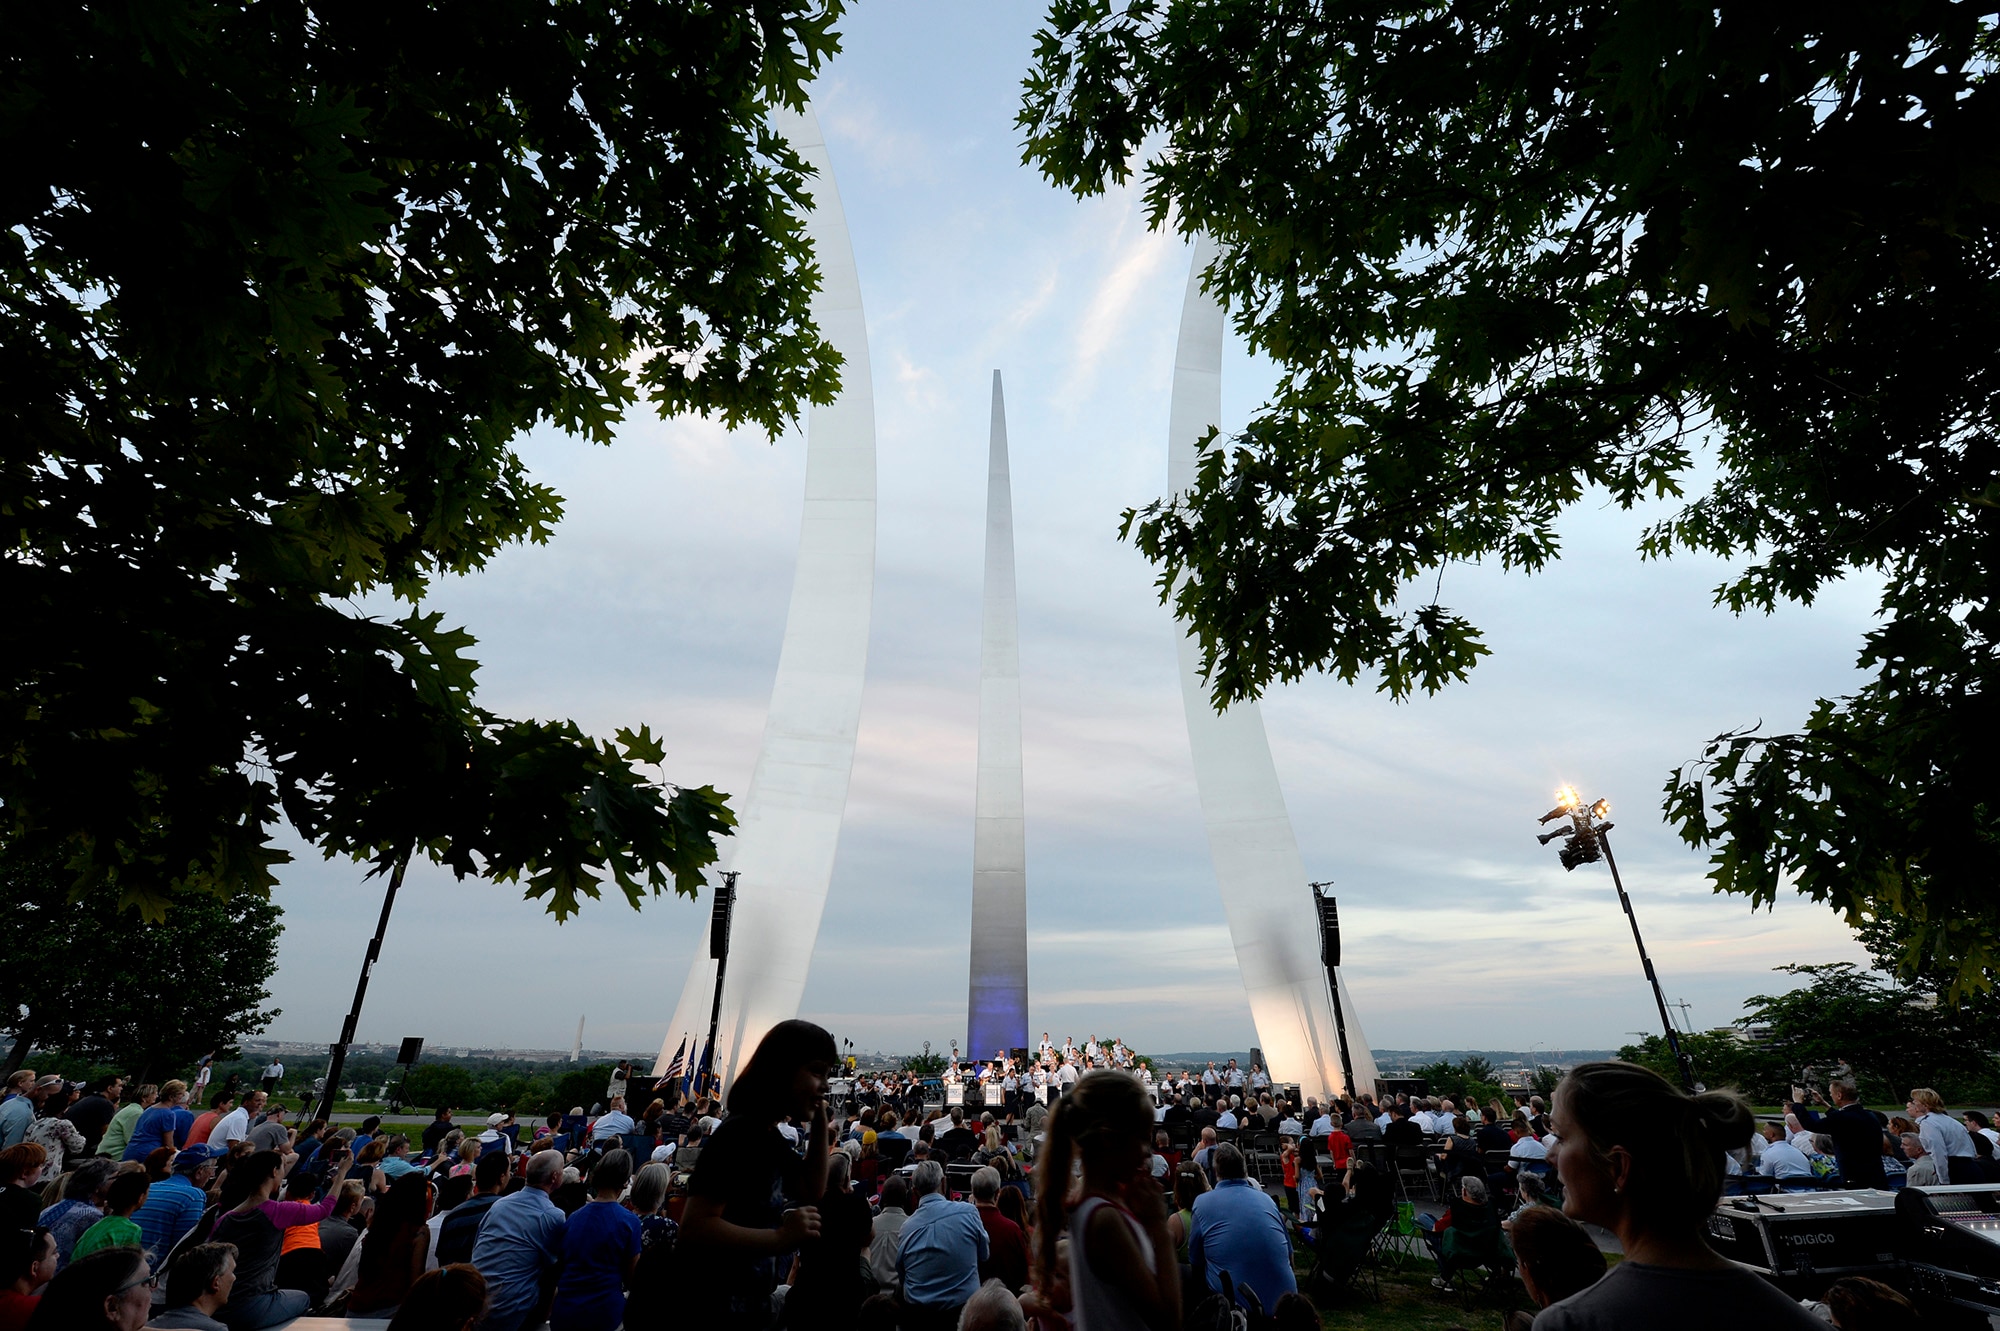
20 1110
173 1205
520 1245
613 1123
939 1251
1237 1228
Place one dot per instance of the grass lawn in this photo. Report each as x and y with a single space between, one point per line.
1408 1302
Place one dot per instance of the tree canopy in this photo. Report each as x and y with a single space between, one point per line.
1507 257
95 981
1894 1038
280 286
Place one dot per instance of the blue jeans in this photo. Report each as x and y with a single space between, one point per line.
254 1312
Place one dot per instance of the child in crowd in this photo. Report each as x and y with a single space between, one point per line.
1122 1271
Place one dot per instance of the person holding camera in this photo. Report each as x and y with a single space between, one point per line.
1856 1131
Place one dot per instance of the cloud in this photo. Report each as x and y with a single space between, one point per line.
662 600
1137 257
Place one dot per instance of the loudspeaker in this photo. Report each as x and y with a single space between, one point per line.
1329 930
718 920
413 1049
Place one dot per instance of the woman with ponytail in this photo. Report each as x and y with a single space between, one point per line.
1644 1160
1122 1271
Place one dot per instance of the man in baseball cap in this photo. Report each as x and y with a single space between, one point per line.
174 1204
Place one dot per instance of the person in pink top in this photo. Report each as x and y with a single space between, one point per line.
256 1224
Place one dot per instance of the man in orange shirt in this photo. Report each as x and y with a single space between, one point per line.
218 1104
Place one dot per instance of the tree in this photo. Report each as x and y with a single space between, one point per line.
1508 258
279 289
1470 1082
1893 1038
96 980
438 1086
1722 1060
925 1064
585 1086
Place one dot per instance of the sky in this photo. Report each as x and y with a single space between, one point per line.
661 600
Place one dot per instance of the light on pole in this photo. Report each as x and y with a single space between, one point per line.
1584 842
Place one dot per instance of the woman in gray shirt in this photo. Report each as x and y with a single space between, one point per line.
1644 1160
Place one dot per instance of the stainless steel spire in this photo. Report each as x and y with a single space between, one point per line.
997 1017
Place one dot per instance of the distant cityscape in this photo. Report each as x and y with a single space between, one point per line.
1511 1064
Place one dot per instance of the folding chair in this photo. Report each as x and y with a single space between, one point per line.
1344 1257
1400 1243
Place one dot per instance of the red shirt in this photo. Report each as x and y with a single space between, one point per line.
16 1309
1008 1249
1339 1145
203 1125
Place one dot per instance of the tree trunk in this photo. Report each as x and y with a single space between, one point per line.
24 1040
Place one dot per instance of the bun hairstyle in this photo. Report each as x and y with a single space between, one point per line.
1676 1141
1106 1111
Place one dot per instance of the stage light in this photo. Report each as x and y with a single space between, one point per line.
1585 841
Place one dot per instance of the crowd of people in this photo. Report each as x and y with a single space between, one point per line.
1119 1201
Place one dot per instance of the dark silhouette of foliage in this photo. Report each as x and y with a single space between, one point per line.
1510 258
280 286
99 982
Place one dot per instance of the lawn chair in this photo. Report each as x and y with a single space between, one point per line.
1344 1252
1400 1243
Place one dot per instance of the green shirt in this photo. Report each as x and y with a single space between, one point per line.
114 1231
119 1135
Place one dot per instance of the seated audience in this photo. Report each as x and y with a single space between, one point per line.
27 1262
1555 1258
126 1194
110 1290
451 1298
198 1288
939 1254
887 1230
600 1249
1782 1160
1238 1228
82 1205
396 1249
1007 1259
519 1244
1857 1303
21 1169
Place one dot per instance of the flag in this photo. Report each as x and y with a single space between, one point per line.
674 1069
700 1070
